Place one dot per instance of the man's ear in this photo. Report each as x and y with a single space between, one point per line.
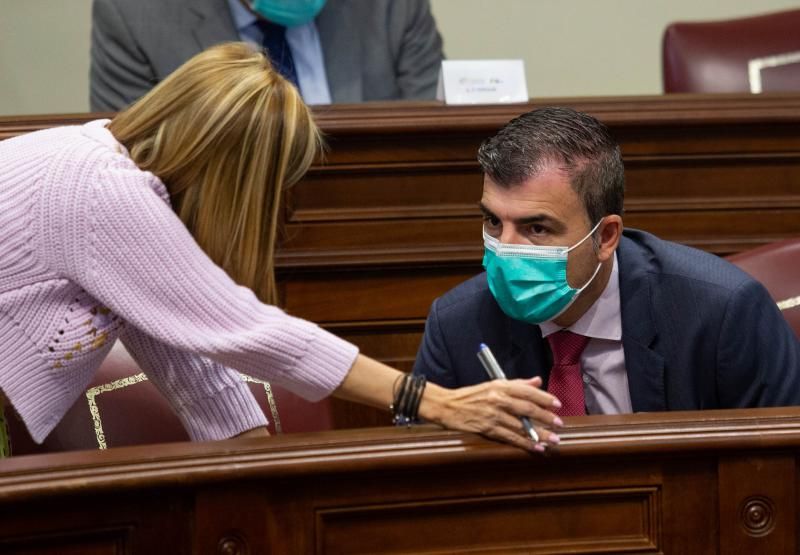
609 234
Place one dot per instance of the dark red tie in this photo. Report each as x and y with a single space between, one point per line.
566 382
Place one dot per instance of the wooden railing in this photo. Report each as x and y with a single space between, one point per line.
699 482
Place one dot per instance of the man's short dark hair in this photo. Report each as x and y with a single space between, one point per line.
575 142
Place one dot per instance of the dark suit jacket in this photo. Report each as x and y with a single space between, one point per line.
698 333
373 49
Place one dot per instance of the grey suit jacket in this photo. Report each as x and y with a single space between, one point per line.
373 49
697 332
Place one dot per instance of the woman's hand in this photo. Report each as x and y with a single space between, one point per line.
494 409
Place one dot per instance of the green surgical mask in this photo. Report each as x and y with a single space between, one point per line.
289 13
529 282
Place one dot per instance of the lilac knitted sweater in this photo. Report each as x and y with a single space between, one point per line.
90 250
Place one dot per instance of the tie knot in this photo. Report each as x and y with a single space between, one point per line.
567 347
270 28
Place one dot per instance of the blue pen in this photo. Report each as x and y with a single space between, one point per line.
496 373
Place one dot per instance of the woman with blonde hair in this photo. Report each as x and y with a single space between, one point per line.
159 227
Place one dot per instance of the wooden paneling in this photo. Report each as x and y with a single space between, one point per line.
140 522
750 510
400 182
552 522
696 482
389 220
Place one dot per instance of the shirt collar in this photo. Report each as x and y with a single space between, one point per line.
603 319
242 17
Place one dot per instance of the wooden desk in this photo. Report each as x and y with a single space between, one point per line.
389 221
699 483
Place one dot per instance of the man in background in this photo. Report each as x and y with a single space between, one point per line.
339 51
612 321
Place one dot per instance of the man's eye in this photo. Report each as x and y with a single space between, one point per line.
537 229
491 221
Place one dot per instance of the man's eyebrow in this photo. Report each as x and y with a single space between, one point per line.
526 220
486 211
538 219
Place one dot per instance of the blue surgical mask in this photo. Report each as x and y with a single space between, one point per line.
289 13
529 282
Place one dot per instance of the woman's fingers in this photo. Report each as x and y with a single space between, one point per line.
531 389
521 399
535 381
508 428
534 412
548 436
495 409
515 438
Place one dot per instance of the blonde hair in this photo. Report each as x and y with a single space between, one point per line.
226 134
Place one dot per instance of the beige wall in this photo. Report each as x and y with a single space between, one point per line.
570 47
579 47
44 56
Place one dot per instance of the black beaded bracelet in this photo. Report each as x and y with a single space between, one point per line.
417 398
406 400
400 397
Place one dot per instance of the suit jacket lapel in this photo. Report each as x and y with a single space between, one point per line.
341 48
528 355
517 346
211 22
645 366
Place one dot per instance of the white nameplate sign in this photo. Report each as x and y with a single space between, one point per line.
482 82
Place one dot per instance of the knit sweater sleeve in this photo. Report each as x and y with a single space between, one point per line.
125 246
212 401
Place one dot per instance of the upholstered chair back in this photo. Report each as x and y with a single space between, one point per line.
121 407
752 54
777 266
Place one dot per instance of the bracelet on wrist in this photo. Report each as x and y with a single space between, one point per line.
406 399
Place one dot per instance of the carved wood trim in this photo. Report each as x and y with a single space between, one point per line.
528 523
387 448
758 501
426 117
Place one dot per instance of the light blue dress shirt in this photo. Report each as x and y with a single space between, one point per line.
306 51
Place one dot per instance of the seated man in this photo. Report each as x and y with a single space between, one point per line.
612 321
335 51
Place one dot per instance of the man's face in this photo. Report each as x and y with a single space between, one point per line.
545 211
